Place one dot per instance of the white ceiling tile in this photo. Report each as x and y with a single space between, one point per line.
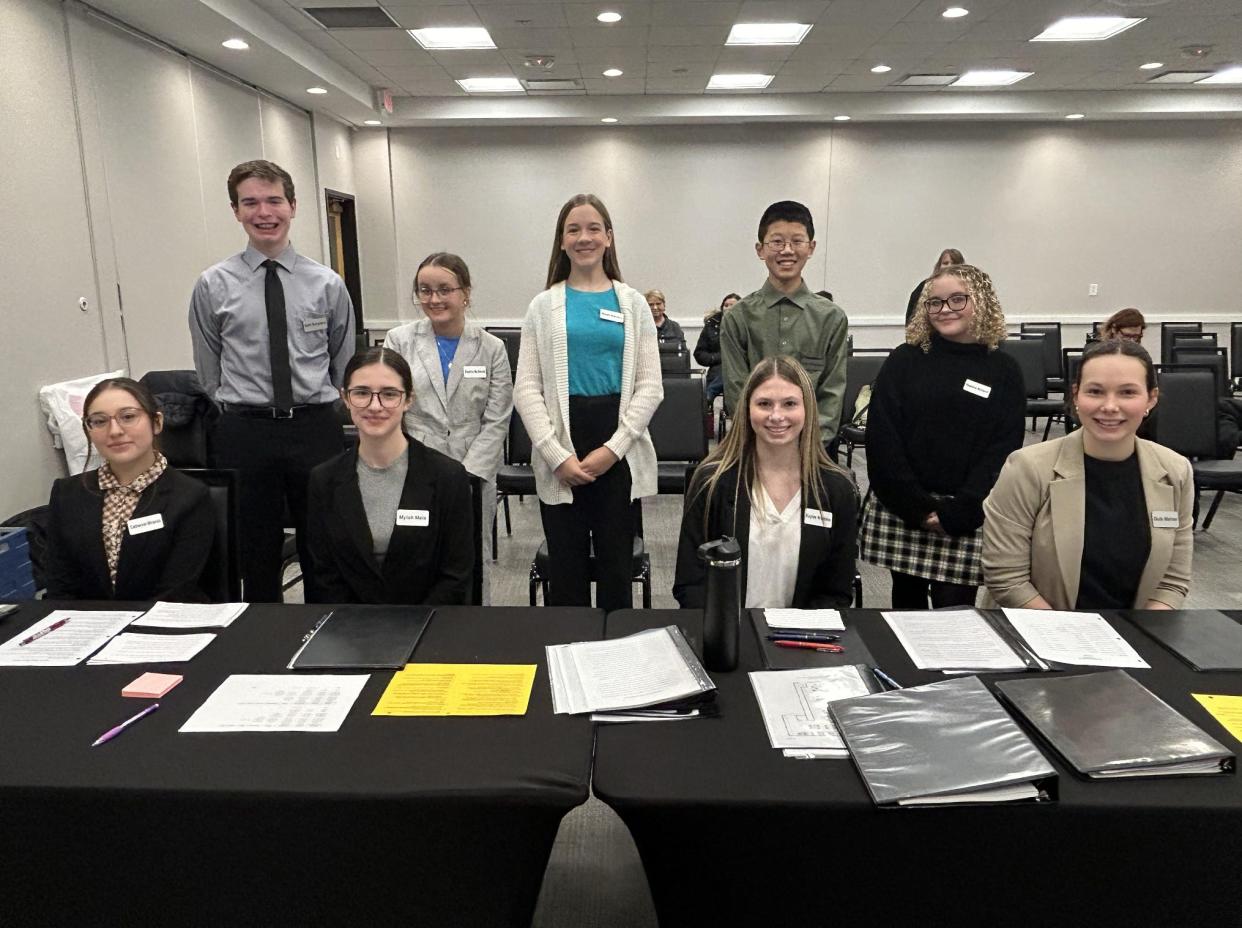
623 58
665 71
781 11
696 13
405 57
530 40
562 71
853 82
792 83
687 53
889 11
521 15
856 32
742 59
473 63
689 35
609 86
633 13
426 72
949 30
615 36
440 88
368 39
562 55
668 86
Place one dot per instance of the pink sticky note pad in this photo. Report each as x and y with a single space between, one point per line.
152 685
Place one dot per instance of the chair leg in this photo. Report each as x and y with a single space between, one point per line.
849 455
1047 428
646 581
1194 515
1220 494
508 523
495 540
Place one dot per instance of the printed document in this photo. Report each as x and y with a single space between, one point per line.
137 648
794 704
1082 638
952 639
66 646
458 689
1225 709
278 702
805 620
191 615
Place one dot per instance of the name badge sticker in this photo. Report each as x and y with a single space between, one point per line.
315 324
414 517
611 315
1164 519
817 517
147 524
475 371
978 389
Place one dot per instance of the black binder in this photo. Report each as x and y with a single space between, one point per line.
774 658
363 638
1205 639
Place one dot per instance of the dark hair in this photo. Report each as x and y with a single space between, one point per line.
141 394
786 211
729 296
558 264
263 170
450 262
952 253
385 356
1122 319
826 294
1117 346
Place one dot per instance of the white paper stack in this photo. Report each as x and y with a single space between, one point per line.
278 702
137 648
191 615
794 704
82 634
804 620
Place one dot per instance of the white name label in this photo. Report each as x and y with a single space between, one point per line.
145 524
315 325
414 517
1165 519
978 389
817 517
611 315
475 371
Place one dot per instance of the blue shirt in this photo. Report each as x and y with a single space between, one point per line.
446 347
594 344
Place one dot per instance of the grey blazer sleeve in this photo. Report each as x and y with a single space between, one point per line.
487 450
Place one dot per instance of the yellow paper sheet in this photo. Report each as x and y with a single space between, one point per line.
458 689
1225 709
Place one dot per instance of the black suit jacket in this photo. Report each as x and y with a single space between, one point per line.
163 564
825 555
431 564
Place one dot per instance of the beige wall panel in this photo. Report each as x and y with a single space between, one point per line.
287 140
382 294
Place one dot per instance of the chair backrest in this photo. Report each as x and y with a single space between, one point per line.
1168 330
512 338
678 428
1029 353
860 370
849 344
221 580
1214 358
1186 420
186 408
1051 332
674 361
518 447
476 512
1235 349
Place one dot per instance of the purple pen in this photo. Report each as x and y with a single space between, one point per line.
113 732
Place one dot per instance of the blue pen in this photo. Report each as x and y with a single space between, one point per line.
885 679
802 636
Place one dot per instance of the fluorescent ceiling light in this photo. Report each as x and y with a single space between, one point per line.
1151 65
955 12
490 85
315 90
613 72
1001 78
236 44
767 33
840 119
442 37
609 16
1227 76
927 80
881 69
371 122
739 81
1179 77
1076 116
609 119
1086 28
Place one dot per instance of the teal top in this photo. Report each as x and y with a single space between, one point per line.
594 343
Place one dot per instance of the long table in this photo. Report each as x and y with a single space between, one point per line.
733 833
411 821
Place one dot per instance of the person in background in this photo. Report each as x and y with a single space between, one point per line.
707 348
770 485
390 519
588 382
667 331
1126 323
463 388
135 529
1099 519
947 257
946 410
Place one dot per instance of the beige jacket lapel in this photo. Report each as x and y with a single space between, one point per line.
1068 505
1160 495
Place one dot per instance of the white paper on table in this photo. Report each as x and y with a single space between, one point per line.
191 615
638 670
956 639
278 702
794 704
1082 638
80 637
137 648
806 620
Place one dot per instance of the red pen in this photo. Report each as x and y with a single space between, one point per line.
811 646
37 635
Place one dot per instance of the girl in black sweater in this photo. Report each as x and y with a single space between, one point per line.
707 349
946 410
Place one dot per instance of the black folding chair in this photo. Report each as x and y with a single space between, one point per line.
678 433
221 579
1168 331
512 337
860 371
1028 351
1054 373
514 477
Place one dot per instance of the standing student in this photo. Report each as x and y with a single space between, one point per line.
135 529
463 387
770 485
947 257
785 317
272 331
707 349
946 410
668 332
389 520
588 382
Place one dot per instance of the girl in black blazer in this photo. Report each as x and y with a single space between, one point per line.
390 521
770 475
135 529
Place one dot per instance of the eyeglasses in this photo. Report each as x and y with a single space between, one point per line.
777 245
957 302
360 397
126 418
423 294
1133 335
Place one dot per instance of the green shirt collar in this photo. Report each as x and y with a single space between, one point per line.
802 297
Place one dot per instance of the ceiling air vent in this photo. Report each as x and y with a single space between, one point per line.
350 17
1179 77
553 85
926 80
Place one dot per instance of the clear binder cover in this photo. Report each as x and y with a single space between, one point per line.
947 740
1108 724
1205 639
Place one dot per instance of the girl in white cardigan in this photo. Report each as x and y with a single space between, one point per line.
588 382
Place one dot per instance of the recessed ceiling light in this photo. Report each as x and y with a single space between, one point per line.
490 85
1151 65
767 33
955 12
881 69
739 81
999 78
371 122
1076 116
1179 77
315 90
442 37
613 72
1227 76
609 119
609 16
840 119
1086 28
237 44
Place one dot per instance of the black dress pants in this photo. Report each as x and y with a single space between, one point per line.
274 458
910 592
601 518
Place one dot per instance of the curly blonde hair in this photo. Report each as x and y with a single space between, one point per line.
988 324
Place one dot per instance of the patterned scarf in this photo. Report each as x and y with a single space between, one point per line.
119 505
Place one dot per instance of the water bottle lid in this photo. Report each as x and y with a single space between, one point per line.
723 552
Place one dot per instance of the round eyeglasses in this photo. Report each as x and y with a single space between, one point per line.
126 418
957 302
360 397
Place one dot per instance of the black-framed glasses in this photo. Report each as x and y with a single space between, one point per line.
423 294
360 397
777 245
956 302
126 418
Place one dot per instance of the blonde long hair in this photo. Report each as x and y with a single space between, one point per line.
988 324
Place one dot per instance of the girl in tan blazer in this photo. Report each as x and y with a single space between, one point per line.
1099 519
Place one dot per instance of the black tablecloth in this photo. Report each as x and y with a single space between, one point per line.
732 833
412 821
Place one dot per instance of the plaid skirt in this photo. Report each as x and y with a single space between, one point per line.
886 541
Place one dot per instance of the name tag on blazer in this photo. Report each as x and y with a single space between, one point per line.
611 315
145 524
817 517
978 389
474 371
315 324
1161 518
415 517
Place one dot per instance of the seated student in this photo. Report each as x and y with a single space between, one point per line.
1099 519
390 521
707 349
1126 323
770 485
668 332
135 529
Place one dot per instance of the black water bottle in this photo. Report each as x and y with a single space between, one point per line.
722 611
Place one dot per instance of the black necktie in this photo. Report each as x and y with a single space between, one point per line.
278 338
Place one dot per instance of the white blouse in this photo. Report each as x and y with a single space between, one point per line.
772 552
